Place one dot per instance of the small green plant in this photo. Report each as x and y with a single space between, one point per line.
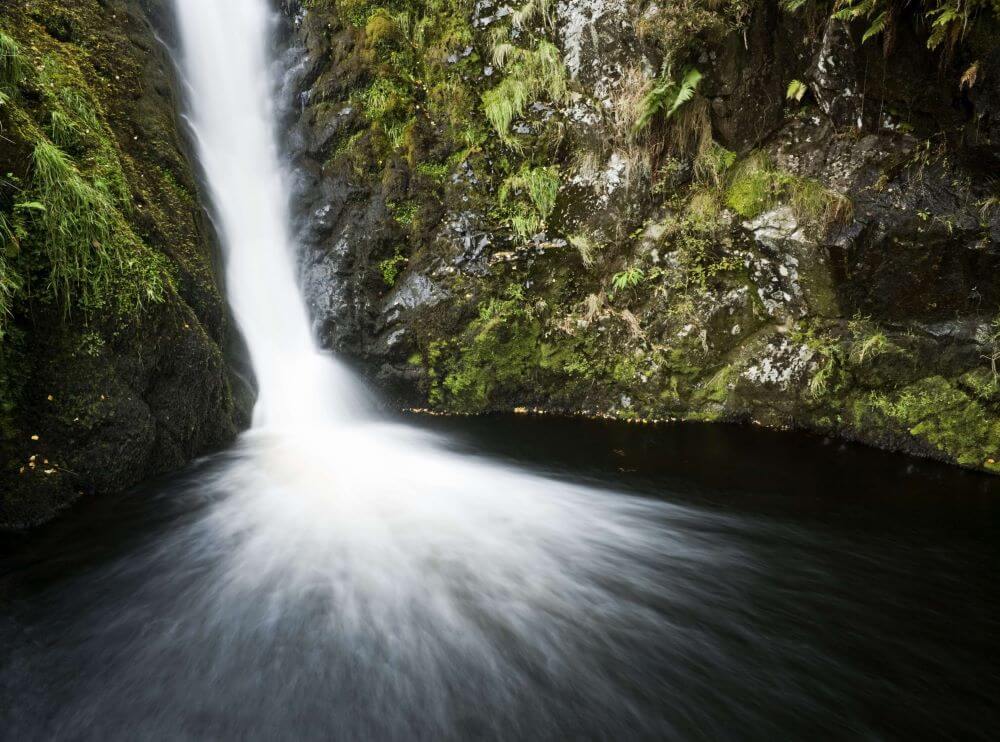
403 212
813 202
626 279
90 252
796 90
757 186
713 161
541 9
76 222
540 185
390 268
13 66
530 73
871 347
752 190
585 247
91 344
667 97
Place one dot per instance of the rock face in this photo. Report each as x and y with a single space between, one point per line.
723 211
113 366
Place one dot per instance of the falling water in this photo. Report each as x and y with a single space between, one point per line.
435 582
226 65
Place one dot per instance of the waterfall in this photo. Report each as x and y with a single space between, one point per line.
436 585
228 74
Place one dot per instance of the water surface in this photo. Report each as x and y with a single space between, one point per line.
765 586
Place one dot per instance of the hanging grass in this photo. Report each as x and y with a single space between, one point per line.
13 65
540 186
531 73
76 220
90 252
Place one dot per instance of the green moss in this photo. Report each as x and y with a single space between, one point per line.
982 384
937 412
503 354
757 186
390 268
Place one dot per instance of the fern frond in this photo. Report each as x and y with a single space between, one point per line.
689 85
877 26
945 24
667 96
796 90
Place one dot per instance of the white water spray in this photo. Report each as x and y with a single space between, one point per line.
433 569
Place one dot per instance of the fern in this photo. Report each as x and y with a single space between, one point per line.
849 10
796 90
949 22
877 26
626 279
667 97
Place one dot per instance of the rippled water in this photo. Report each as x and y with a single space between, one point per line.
848 595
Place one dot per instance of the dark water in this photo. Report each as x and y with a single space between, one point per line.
781 587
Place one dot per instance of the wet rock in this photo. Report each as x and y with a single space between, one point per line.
835 76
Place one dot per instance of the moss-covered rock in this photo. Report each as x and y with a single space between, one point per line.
708 210
113 331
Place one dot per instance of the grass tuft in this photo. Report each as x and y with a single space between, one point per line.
531 73
13 66
757 186
540 186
